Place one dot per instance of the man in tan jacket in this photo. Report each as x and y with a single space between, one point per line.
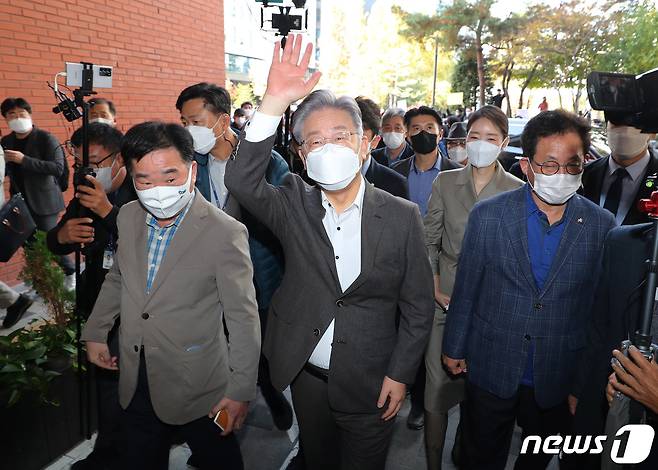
182 270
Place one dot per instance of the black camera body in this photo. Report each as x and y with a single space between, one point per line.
80 176
632 99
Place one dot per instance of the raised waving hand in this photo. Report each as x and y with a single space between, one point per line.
287 82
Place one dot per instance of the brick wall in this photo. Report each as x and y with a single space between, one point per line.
157 47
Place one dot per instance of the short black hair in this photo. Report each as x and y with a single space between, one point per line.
149 136
101 134
247 103
239 112
12 103
214 96
110 105
422 111
370 114
556 122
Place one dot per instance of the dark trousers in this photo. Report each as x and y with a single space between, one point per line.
333 440
417 392
109 409
45 223
488 425
145 440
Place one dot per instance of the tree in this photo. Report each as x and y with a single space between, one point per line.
462 22
465 77
570 40
633 48
242 92
508 44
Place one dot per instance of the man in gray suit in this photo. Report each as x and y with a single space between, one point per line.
354 255
181 272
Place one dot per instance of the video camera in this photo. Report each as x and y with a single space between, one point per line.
632 99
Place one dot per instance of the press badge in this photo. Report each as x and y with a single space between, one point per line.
108 258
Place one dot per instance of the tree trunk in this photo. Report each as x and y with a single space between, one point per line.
576 100
480 62
507 78
559 95
526 83
436 62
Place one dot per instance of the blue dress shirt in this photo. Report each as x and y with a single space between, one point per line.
420 183
543 242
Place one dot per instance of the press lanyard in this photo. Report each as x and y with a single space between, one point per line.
214 192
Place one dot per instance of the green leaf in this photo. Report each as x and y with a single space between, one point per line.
10 368
14 397
35 353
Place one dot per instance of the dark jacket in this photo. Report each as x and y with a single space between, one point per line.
41 168
395 272
380 154
615 312
265 249
496 309
386 179
594 175
105 234
404 166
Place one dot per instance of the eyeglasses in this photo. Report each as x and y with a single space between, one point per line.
339 138
552 168
78 161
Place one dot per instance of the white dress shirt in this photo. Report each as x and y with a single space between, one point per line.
630 185
216 173
343 230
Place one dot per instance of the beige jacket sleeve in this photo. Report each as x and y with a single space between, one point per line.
434 225
235 285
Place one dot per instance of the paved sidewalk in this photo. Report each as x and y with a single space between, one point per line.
264 447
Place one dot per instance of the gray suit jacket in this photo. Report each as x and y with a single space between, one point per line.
41 168
395 273
206 276
453 197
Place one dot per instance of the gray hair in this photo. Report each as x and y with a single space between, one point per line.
321 99
391 113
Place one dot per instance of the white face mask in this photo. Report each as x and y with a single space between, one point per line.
393 140
627 142
204 138
332 166
20 125
164 202
481 154
240 121
109 122
457 154
555 189
104 177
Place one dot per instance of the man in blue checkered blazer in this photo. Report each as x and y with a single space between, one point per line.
520 309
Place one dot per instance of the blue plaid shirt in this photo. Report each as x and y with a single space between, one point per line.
158 241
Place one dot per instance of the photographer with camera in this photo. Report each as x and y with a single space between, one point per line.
91 220
615 312
622 301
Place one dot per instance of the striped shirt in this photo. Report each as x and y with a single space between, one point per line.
158 241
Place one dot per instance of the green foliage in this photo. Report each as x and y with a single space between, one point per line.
31 357
43 273
465 78
633 48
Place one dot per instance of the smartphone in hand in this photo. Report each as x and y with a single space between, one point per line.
221 419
